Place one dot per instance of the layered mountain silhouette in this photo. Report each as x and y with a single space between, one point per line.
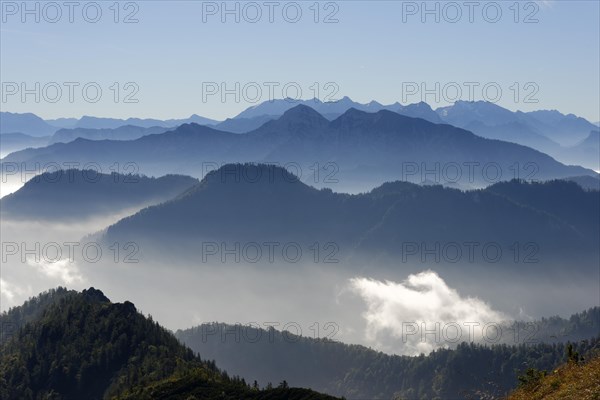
33 125
586 152
549 131
126 132
559 135
557 127
563 128
111 123
332 109
365 149
79 194
68 345
27 123
261 203
11 142
66 123
248 120
243 125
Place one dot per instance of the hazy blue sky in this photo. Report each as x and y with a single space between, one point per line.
368 54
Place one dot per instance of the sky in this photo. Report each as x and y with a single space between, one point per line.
159 59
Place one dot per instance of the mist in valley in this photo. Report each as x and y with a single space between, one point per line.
377 305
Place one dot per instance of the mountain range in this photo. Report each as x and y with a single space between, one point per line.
32 125
333 109
125 132
10 142
27 123
586 152
550 124
111 123
361 149
548 131
561 136
250 119
559 217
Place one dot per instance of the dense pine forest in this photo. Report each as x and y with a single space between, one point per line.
68 345
357 372
64 344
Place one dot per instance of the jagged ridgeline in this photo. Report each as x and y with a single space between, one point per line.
367 148
64 344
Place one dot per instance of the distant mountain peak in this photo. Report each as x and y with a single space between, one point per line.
192 128
353 112
301 110
478 104
374 103
344 99
418 104
299 118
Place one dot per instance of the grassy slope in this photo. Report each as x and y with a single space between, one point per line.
570 381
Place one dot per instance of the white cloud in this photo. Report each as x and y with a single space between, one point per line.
7 290
11 293
66 271
422 313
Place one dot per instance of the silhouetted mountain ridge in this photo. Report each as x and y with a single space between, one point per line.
367 149
79 194
247 202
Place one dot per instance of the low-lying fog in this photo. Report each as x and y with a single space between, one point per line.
384 308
